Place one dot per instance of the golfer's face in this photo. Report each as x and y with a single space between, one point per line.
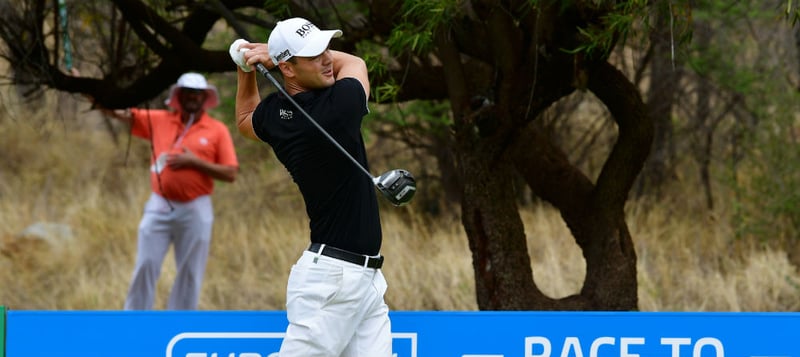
192 99
315 72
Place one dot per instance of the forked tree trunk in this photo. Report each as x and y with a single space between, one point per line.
594 213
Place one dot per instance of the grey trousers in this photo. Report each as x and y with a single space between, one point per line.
187 228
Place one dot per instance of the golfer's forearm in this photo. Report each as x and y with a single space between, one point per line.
347 65
343 61
247 99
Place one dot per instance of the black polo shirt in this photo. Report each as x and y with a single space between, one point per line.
340 199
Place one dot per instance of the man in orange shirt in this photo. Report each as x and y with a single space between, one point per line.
190 149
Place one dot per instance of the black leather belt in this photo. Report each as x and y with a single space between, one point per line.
350 257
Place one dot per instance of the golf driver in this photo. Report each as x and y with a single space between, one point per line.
398 185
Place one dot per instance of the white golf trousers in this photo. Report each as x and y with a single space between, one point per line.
188 228
336 309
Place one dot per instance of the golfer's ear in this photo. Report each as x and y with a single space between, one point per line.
286 69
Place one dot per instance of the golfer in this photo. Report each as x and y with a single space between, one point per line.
334 297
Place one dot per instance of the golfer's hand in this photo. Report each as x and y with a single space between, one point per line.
257 53
237 54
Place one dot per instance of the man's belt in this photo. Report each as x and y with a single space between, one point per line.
350 257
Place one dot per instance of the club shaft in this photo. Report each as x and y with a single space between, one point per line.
263 70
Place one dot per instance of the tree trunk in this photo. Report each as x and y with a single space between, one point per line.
660 98
595 213
503 275
701 124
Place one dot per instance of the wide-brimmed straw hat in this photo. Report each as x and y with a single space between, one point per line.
193 81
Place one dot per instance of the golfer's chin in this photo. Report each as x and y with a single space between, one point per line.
328 78
325 82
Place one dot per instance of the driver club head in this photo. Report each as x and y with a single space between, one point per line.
398 186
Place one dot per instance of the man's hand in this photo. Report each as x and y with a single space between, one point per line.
186 159
237 54
123 115
182 160
257 53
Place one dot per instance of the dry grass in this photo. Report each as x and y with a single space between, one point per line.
69 171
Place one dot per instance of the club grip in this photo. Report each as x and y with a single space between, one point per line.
261 68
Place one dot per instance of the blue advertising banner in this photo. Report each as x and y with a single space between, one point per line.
2 331
415 334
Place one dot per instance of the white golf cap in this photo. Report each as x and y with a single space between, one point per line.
193 81
298 37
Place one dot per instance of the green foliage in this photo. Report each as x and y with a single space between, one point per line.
792 12
419 124
626 18
761 156
434 116
421 19
769 192
411 37
717 64
387 90
279 9
601 38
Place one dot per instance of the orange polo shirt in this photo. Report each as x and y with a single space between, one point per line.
207 138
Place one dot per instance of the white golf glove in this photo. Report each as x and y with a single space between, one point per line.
237 54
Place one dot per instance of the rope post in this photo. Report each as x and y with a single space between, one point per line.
62 13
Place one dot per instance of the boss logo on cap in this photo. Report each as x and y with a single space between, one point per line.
305 29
